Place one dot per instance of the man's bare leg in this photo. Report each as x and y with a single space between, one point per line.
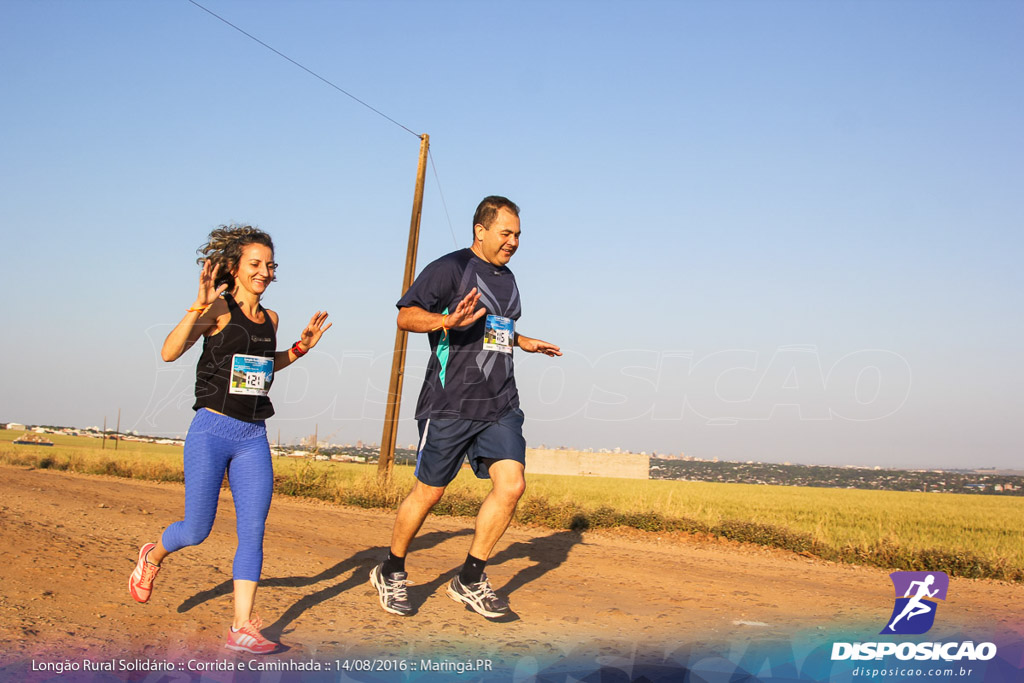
389 577
471 586
411 515
508 483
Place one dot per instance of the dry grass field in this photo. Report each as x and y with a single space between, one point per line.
967 535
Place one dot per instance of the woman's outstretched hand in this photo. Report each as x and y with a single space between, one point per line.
314 330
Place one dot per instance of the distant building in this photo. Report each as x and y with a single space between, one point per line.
587 464
15 425
345 457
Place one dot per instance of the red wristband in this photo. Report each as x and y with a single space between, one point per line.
297 350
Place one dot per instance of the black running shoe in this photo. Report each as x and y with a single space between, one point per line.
479 597
391 590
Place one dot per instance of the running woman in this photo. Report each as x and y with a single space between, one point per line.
468 304
228 432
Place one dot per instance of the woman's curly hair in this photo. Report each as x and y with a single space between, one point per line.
224 248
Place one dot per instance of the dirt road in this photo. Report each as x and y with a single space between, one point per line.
69 543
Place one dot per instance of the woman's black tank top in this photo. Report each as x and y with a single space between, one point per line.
236 367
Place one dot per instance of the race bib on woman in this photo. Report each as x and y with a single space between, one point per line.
251 375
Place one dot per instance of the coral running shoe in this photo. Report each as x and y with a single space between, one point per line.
249 639
140 583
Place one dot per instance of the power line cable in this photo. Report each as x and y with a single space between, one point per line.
307 70
433 166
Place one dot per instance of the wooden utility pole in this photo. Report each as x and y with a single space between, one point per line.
387 441
103 441
117 432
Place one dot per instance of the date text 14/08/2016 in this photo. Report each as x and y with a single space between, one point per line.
457 666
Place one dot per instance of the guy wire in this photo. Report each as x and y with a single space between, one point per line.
437 178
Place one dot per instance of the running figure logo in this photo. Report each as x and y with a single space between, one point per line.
916 593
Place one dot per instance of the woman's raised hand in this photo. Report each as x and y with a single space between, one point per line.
314 330
208 289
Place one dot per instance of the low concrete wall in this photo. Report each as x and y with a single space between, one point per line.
586 464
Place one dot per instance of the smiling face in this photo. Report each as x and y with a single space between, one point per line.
497 242
255 269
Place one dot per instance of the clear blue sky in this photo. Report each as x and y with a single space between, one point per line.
777 231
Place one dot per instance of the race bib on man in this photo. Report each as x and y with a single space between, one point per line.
498 334
251 375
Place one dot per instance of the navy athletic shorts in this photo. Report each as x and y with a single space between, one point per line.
444 443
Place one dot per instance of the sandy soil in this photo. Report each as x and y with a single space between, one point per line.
69 543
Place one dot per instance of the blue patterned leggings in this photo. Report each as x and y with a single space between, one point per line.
216 444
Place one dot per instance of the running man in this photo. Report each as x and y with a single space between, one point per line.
915 605
467 302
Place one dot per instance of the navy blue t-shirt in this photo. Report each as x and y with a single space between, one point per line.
470 373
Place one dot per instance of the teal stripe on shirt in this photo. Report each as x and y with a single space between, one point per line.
442 351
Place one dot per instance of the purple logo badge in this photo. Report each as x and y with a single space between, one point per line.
916 595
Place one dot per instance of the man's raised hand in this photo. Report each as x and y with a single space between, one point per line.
466 313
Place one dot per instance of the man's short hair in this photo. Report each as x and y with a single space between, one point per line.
488 210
